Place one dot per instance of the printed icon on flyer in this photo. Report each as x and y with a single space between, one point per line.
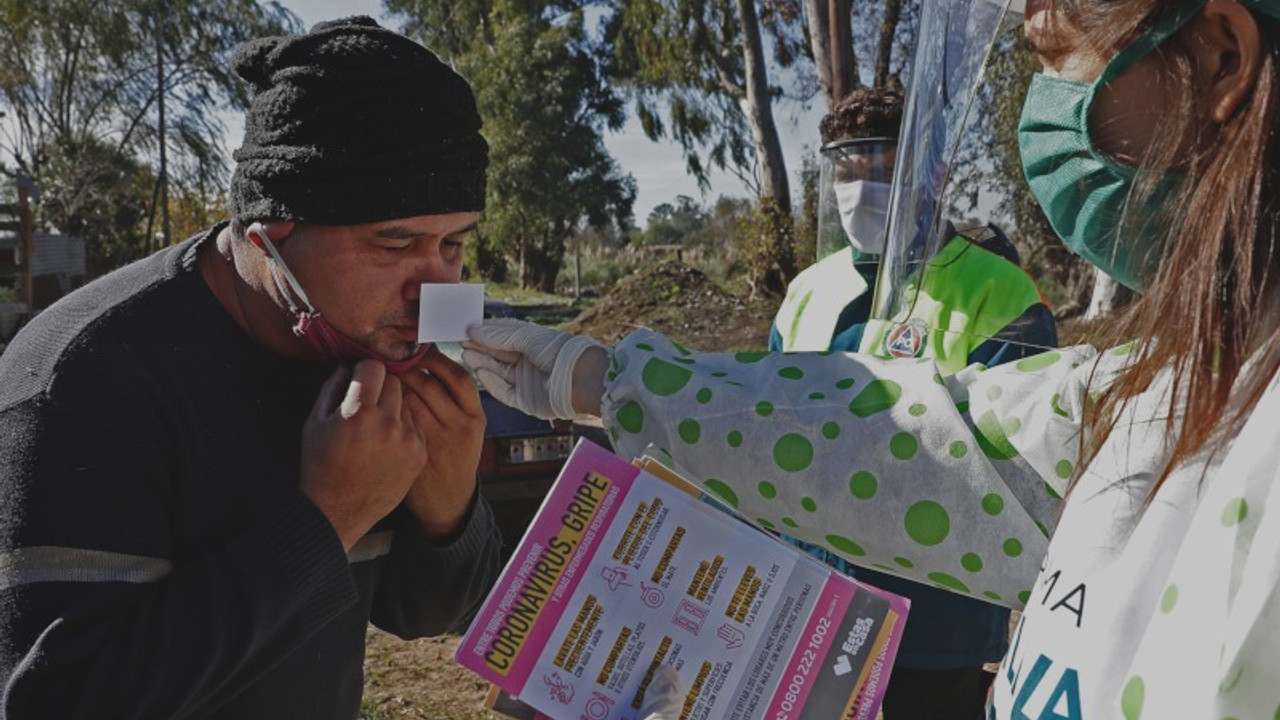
651 595
561 691
616 577
598 706
732 636
843 666
690 616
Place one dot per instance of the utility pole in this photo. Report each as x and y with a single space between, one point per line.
577 268
24 235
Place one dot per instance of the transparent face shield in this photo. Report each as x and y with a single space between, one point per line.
943 116
854 184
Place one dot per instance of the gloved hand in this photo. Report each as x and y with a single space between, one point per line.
543 372
663 699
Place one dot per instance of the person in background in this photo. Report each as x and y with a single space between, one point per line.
221 462
1124 499
999 316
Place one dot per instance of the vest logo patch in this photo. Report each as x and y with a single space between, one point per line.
907 340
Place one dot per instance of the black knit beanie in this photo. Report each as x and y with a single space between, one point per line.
353 123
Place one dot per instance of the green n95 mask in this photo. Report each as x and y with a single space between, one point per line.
1089 198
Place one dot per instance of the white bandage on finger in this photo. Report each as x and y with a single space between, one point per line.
560 384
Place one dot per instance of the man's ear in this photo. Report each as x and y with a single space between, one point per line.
274 230
1228 50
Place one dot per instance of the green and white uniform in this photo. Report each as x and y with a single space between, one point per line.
972 306
956 481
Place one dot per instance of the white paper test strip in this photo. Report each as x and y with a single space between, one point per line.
445 311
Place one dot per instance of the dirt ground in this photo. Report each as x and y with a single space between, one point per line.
682 303
419 679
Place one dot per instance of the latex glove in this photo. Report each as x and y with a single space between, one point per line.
543 372
663 699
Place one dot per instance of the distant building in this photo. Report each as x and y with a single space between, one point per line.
57 268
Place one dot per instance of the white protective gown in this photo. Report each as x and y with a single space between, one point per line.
1159 609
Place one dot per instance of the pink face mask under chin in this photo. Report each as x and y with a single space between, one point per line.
314 329
326 340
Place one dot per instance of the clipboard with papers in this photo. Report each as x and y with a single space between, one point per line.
628 566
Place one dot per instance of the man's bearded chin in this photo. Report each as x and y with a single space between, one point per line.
389 348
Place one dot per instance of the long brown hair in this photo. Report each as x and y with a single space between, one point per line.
1209 309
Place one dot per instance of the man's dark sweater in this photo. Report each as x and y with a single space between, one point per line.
157 559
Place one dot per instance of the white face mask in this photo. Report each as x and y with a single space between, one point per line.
864 214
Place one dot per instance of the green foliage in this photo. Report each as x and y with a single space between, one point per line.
8 294
195 209
708 238
702 62
684 57
770 234
599 271
524 297
691 59
806 231
79 87
101 193
483 260
711 229
545 105
673 223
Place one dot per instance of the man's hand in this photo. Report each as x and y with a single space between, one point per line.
361 449
450 419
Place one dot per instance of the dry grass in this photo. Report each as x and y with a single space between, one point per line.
419 680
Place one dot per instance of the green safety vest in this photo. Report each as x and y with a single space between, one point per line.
966 297
815 298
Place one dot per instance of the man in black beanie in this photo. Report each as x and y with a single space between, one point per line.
220 463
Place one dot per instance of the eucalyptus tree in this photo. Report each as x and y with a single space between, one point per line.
545 104
699 74
84 86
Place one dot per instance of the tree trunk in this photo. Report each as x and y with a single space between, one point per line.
523 270
577 268
547 280
884 51
844 72
1108 297
759 111
816 13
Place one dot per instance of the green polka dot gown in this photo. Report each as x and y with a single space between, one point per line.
1163 607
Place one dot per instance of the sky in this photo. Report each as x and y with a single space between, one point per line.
658 167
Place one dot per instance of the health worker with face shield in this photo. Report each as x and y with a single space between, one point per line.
1124 499
972 287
